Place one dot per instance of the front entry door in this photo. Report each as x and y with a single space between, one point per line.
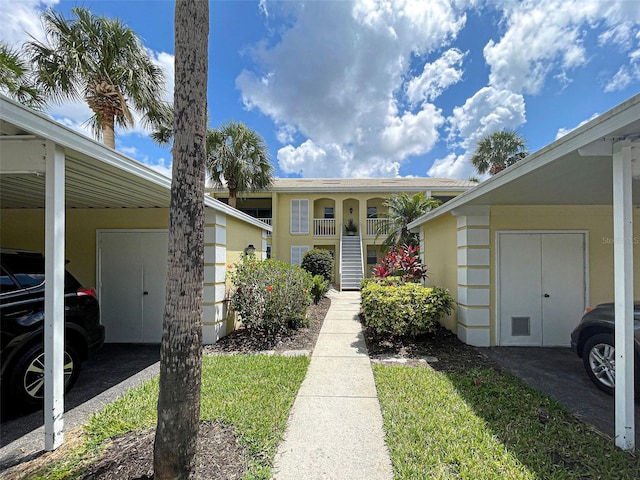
542 287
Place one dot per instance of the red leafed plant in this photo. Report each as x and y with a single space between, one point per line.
402 262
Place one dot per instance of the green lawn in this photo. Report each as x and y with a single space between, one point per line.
254 394
487 425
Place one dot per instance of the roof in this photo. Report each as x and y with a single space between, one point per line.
96 176
297 185
576 169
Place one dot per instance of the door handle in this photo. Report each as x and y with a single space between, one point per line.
546 295
145 293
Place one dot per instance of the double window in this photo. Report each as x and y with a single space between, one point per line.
297 252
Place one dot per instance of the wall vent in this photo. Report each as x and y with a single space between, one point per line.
520 326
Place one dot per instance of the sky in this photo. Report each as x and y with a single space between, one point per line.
365 88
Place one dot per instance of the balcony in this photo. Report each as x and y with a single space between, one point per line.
324 227
377 226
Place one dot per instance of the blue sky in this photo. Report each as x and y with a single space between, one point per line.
381 88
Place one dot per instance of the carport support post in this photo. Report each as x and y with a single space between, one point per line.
623 273
54 298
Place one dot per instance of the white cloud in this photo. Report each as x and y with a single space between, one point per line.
335 87
563 131
436 77
21 18
547 35
452 166
485 112
161 166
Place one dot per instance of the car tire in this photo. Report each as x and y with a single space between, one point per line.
27 381
598 357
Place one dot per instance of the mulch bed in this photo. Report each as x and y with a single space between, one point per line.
220 456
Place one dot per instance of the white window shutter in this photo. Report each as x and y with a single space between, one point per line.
299 216
297 252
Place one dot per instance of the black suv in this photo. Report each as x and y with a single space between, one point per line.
22 327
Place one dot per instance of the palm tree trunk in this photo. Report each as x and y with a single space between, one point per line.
181 348
108 134
232 198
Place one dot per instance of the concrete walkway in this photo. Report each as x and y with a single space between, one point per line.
335 426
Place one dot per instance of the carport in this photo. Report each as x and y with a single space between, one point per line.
45 165
596 166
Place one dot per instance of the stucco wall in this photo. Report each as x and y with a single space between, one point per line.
440 254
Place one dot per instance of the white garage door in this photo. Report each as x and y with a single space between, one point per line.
132 275
542 288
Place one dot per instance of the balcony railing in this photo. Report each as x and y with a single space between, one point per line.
324 227
377 226
267 221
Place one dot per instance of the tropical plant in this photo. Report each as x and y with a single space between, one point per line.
319 288
403 209
318 262
403 263
181 348
16 78
499 150
238 158
351 227
102 61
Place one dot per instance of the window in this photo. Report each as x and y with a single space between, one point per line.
300 216
372 257
372 212
328 212
297 252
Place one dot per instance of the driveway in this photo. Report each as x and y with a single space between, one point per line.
559 373
104 377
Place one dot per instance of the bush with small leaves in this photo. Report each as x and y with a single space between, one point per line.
405 310
270 296
318 262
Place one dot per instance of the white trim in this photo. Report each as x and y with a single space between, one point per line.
54 297
585 236
623 295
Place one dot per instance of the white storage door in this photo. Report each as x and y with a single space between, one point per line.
132 278
542 287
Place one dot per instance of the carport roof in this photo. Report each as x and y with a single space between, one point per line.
96 176
576 169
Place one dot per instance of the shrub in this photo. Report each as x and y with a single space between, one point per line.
388 281
319 289
402 262
318 262
270 296
405 310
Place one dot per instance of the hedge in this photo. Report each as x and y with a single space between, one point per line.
404 310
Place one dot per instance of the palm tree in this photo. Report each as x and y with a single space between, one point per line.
403 209
238 157
497 151
102 61
16 79
181 348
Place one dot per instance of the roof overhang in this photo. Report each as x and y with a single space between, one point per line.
576 169
96 176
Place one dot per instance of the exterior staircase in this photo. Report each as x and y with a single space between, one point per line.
351 271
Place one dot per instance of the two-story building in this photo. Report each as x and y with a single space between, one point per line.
315 213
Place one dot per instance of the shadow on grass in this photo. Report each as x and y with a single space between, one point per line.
537 430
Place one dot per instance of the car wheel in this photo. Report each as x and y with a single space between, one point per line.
27 383
599 360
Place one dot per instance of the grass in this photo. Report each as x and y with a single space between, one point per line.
487 425
254 394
